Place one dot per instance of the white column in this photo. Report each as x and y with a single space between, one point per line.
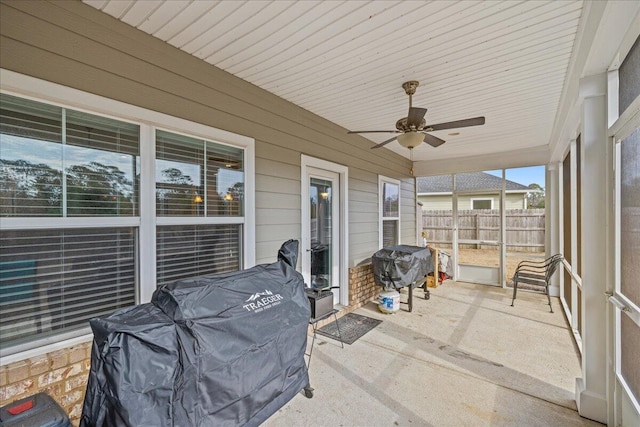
552 221
147 234
591 389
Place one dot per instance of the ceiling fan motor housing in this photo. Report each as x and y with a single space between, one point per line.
402 126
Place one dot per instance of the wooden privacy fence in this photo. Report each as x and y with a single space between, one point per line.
524 228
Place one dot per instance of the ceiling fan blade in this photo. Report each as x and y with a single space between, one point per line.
415 116
383 143
476 121
433 141
373 131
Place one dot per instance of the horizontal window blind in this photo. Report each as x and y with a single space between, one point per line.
197 178
185 251
60 162
30 158
389 232
54 281
102 166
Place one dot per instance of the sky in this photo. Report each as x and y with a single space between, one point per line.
524 176
51 153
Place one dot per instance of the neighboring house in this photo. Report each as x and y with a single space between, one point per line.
435 192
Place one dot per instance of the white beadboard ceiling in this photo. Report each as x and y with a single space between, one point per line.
346 60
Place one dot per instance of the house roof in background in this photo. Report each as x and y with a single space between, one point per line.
467 181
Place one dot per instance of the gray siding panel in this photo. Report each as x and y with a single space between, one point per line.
277 216
277 184
77 46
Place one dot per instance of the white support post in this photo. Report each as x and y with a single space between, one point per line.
552 221
591 389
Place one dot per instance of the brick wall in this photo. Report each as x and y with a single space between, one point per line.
362 288
61 374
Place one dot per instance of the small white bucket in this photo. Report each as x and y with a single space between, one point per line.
389 301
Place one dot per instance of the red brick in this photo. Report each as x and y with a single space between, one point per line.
79 381
14 391
75 412
39 365
59 374
77 354
3 376
59 358
70 398
54 391
17 371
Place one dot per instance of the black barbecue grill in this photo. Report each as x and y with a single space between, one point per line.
216 350
395 267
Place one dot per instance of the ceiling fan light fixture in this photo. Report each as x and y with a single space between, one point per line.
410 139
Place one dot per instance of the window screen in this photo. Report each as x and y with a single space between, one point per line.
629 78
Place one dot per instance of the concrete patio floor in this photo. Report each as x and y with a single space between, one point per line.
463 358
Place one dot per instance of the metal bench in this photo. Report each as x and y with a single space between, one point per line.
536 273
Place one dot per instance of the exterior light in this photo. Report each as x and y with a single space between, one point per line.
410 139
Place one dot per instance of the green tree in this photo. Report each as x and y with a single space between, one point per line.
29 189
535 198
96 189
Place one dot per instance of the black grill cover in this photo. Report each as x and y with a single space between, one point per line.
400 266
221 350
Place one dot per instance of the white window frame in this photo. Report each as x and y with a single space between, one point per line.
27 87
480 199
381 181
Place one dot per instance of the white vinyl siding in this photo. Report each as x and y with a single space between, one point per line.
436 202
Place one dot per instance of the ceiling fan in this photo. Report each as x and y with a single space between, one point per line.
413 129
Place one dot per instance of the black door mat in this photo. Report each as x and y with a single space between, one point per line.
352 327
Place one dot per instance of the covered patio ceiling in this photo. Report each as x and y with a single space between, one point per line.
346 60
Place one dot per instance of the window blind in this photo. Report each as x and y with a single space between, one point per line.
185 251
54 281
102 166
389 232
30 158
195 177
60 162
